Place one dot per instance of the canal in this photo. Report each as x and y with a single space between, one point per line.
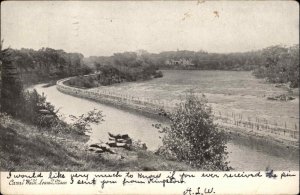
245 154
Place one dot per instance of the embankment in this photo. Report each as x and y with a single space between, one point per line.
25 147
265 134
119 102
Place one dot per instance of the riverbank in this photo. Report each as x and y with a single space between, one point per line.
108 99
25 147
152 111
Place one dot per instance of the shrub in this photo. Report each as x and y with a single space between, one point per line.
82 82
5 119
36 110
193 137
158 74
82 124
85 70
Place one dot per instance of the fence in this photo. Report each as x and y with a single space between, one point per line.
152 106
258 124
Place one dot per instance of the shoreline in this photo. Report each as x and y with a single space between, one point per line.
152 112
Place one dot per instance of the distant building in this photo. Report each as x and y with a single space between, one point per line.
181 62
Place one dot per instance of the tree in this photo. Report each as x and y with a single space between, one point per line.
11 86
280 65
193 137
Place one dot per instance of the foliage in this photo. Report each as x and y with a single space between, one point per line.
281 65
83 122
119 68
158 74
36 110
183 59
48 64
82 81
5 119
84 69
129 66
278 64
193 137
110 75
11 85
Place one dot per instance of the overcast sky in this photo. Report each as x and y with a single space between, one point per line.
104 28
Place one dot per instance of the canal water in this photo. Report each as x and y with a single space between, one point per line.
244 154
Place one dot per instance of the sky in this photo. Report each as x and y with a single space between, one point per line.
103 28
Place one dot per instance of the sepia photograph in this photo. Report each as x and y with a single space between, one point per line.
105 86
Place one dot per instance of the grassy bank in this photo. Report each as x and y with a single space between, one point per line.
27 148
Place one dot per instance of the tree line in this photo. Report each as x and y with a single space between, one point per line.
47 64
278 64
121 67
130 66
184 59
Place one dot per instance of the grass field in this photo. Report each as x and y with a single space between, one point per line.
227 91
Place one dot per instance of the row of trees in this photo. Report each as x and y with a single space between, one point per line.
184 60
278 64
46 63
121 67
208 61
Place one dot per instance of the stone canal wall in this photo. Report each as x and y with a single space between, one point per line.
123 102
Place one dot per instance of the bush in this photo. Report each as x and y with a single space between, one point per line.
82 124
5 119
193 137
82 82
158 74
36 110
85 70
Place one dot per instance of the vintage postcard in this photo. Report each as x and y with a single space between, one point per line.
149 97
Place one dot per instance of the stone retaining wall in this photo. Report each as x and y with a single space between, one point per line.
108 99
